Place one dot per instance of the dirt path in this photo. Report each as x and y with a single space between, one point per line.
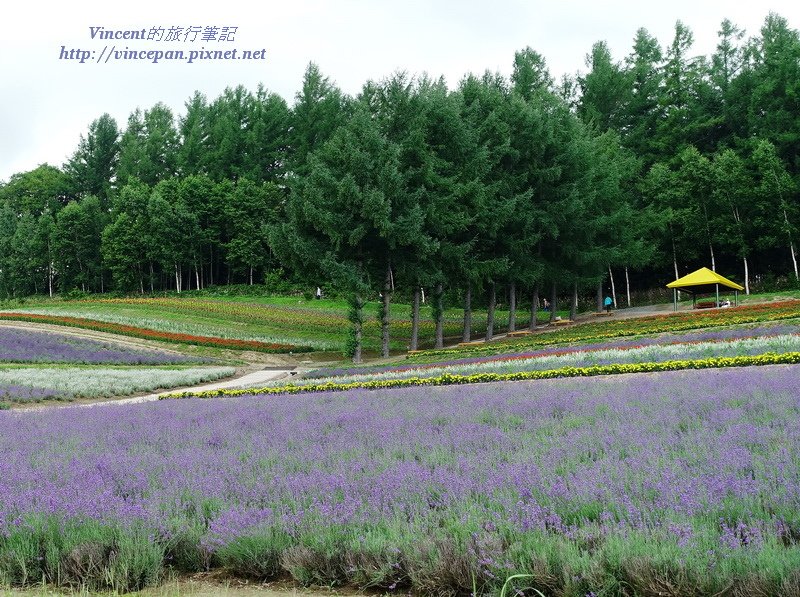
199 587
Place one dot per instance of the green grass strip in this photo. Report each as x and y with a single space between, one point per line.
447 379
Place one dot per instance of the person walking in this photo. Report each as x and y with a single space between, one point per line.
607 303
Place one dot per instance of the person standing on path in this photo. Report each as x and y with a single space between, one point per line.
608 302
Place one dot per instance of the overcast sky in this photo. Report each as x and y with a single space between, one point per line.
47 102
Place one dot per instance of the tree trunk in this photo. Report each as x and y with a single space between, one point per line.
708 236
628 286
177 280
600 296
713 261
534 307
357 350
50 278
512 307
573 308
151 277
613 287
387 297
467 335
490 312
439 316
251 276
675 262
746 276
415 320
197 276
211 265
553 301
358 306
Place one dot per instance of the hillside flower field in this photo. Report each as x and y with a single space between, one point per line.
320 325
590 486
29 346
125 329
578 357
642 326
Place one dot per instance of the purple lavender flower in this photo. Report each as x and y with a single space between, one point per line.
27 346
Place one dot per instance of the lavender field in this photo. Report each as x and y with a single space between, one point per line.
549 360
681 483
29 346
727 335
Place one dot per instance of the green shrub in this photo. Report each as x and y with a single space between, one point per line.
256 555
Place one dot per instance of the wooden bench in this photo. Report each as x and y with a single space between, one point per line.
561 322
518 333
706 305
473 343
603 313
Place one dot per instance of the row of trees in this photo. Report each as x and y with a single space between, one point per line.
512 188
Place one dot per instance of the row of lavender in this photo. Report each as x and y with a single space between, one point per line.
701 336
734 342
19 345
689 480
33 384
96 368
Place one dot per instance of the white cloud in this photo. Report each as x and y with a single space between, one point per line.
46 103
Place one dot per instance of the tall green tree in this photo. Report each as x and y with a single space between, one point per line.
253 208
93 165
775 98
193 131
604 90
733 194
775 187
317 112
125 240
149 146
643 110
350 212
45 188
76 236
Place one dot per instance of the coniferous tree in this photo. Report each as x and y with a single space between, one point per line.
93 166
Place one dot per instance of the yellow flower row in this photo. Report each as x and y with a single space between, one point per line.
447 379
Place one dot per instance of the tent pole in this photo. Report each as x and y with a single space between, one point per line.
717 286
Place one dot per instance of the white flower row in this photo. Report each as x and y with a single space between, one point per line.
652 353
96 382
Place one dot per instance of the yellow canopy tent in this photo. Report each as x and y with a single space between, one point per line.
703 280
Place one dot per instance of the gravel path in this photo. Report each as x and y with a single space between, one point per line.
250 379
